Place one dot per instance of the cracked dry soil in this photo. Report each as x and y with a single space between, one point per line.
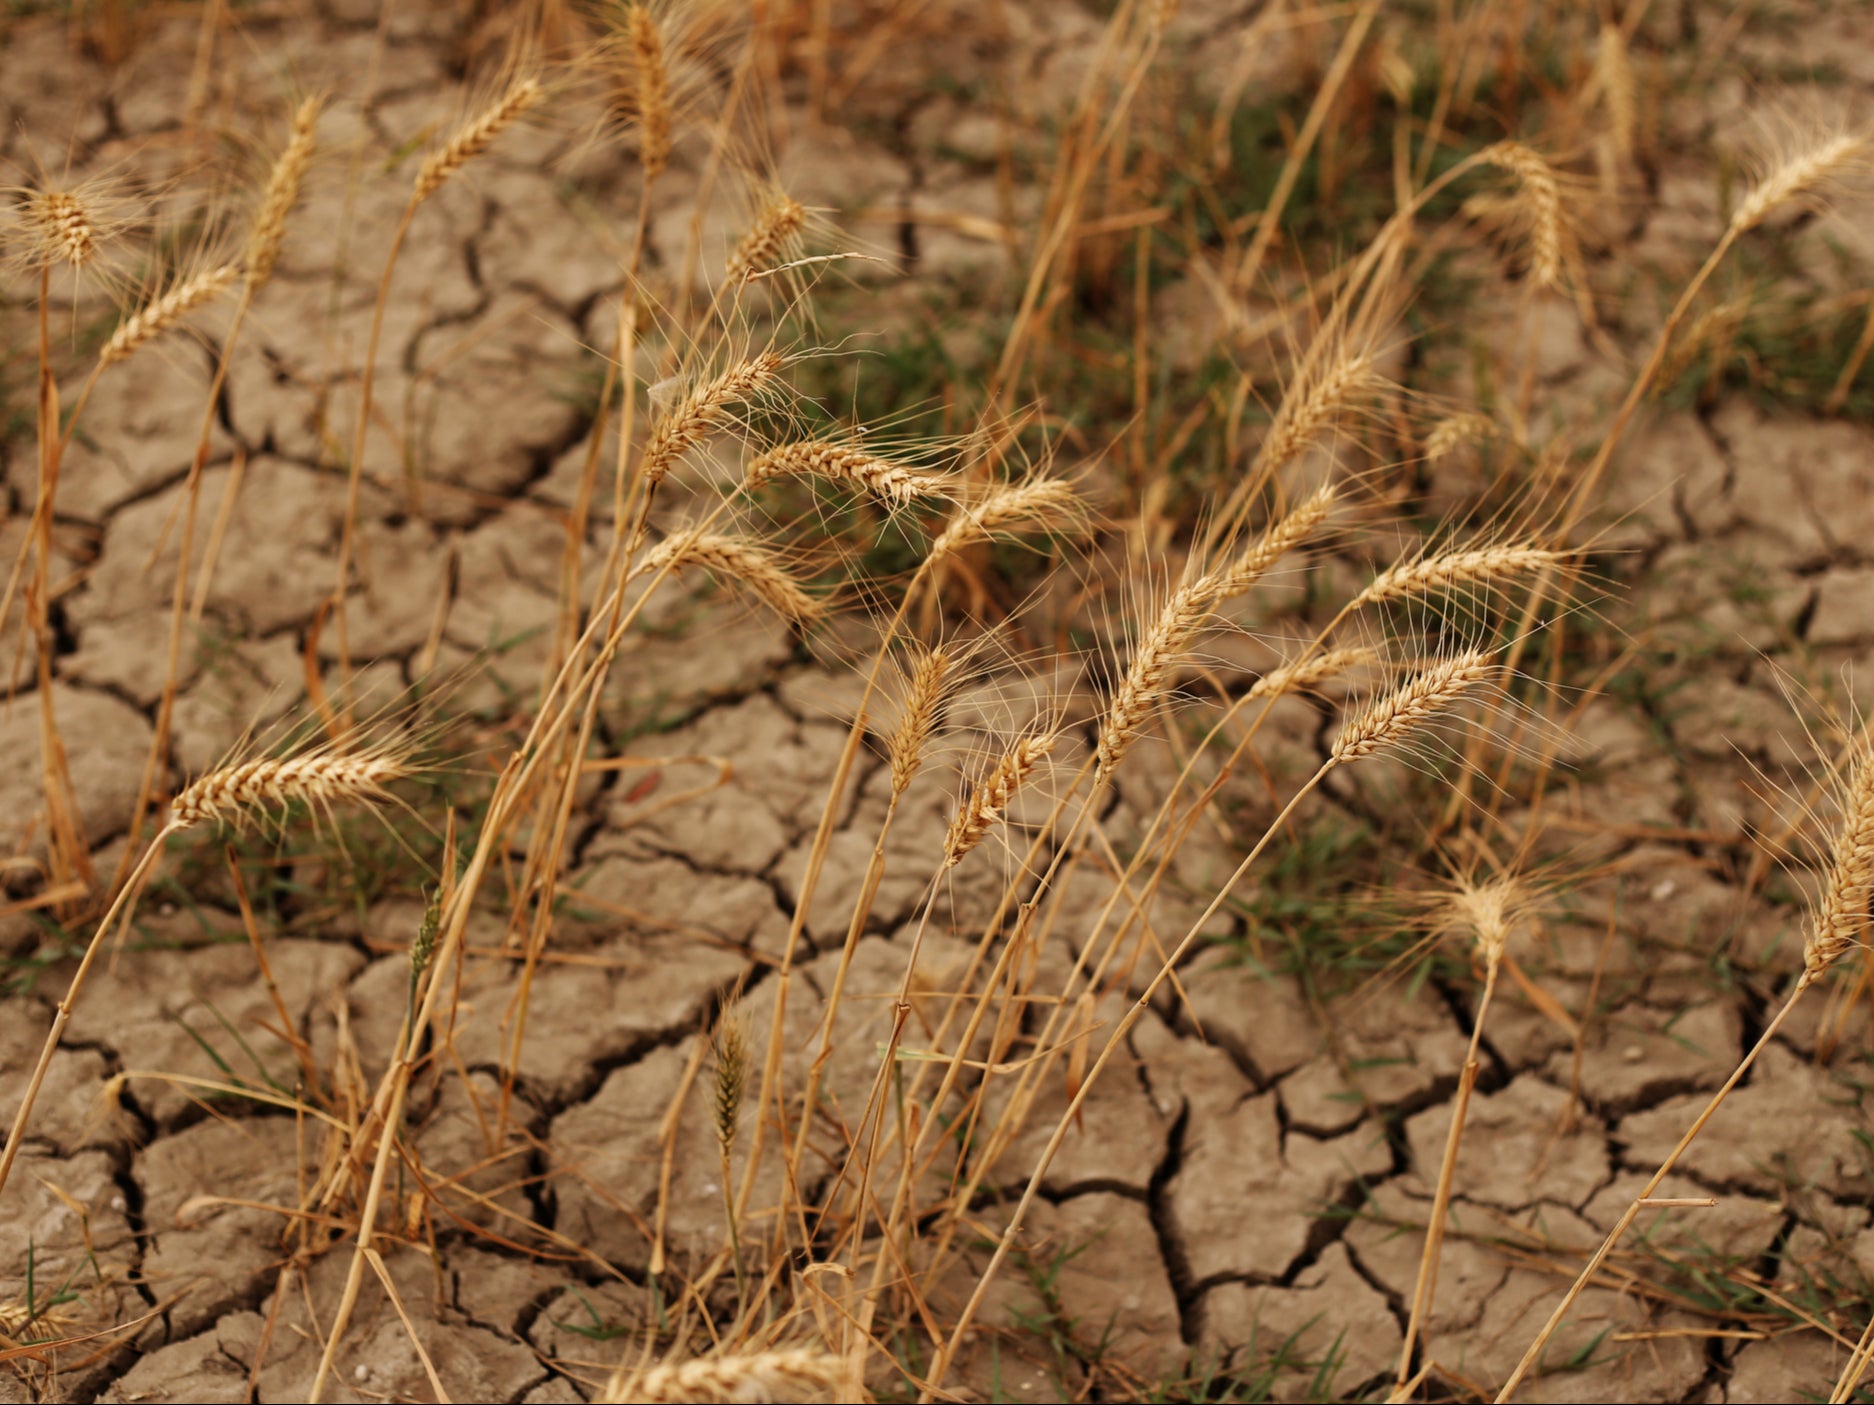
1257 1178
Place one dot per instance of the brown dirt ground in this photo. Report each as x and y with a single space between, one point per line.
1260 1176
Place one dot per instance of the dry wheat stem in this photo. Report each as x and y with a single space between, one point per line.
780 220
158 316
1391 719
691 419
282 193
650 90
1797 177
235 794
743 562
475 137
989 801
795 1373
848 465
1543 193
1457 568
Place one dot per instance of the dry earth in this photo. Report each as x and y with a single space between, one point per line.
1258 1177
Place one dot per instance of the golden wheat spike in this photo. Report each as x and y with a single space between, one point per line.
1390 720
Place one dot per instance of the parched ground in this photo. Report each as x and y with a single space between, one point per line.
1246 1199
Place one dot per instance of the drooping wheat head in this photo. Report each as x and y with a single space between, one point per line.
750 566
62 228
160 314
793 1373
689 422
990 798
281 195
476 135
1391 719
1541 192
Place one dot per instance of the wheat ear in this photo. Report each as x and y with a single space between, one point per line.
1543 193
64 228
691 419
282 193
1389 720
235 794
845 464
1045 504
1310 671
650 89
743 562
923 703
990 799
1312 407
794 1373
475 136
1457 568
160 314
1797 177
1276 542
1149 677
780 220
731 1084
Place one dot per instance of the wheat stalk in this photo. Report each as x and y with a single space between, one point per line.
159 315
842 463
691 419
1389 720
282 193
1798 176
923 701
322 778
792 1373
475 136
990 799
743 562
780 220
1049 504
1456 568
1543 193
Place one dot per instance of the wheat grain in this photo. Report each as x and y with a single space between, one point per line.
691 419
282 193
1841 915
1391 719
843 463
780 221
650 89
792 1373
1047 504
1310 672
1542 192
1457 568
923 704
990 799
1799 176
475 136
743 562
159 315
322 778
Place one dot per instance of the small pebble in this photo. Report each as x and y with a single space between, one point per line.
1633 1053
1663 889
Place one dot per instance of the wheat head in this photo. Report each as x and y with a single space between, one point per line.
743 562
1390 720
1799 176
918 717
1841 914
1310 672
160 314
282 193
1542 194
476 135
1044 504
1476 565
691 419
780 221
322 778
793 1373
841 463
990 799
650 87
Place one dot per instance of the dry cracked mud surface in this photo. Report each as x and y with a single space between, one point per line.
1247 1192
